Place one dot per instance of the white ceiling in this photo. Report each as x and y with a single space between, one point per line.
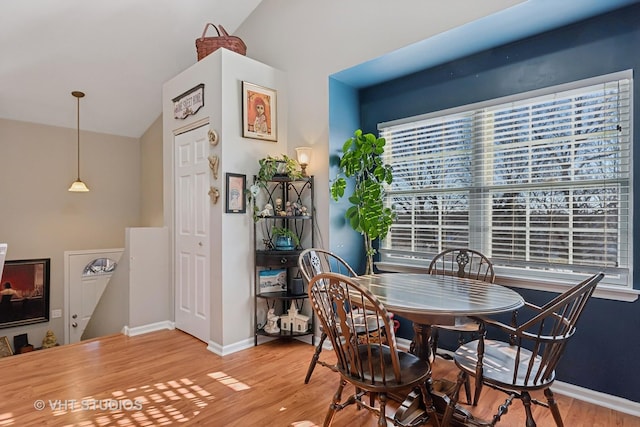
119 52
514 23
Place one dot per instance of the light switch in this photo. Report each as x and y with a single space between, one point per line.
56 313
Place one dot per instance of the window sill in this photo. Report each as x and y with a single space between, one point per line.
604 292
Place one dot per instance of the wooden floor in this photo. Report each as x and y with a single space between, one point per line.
169 378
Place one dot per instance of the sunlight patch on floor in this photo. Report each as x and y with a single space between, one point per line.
147 405
6 419
230 382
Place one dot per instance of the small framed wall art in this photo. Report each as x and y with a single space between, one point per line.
235 200
259 112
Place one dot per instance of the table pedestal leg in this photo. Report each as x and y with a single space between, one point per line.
422 340
411 410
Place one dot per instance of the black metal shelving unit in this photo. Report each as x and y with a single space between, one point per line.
267 257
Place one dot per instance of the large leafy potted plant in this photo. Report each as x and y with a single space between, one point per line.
362 161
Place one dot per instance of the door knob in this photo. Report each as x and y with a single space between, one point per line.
199 243
74 324
75 316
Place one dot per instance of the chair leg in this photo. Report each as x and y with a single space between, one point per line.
314 359
453 399
428 403
503 409
335 404
526 400
482 333
382 419
434 342
553 406
467 390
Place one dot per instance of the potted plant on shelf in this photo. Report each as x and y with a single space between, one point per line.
282 165
284 239
270 168
362 160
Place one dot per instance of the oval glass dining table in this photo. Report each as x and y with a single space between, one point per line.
427 300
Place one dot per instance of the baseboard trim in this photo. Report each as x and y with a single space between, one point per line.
581 393
597 398
144 329
307 339
249 342
228 349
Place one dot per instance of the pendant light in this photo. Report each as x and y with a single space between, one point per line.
78 186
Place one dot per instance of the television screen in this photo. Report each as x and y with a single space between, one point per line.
24 289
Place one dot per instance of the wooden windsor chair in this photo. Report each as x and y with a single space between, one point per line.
472 264
529 362
372 366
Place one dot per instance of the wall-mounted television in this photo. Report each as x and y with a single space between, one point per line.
25 292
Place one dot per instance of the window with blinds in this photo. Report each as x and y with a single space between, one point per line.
539 182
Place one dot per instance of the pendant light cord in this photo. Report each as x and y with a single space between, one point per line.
78 126
78 95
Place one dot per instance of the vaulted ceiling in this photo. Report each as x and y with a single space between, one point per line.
119 52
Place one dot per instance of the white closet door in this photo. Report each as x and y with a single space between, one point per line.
192 233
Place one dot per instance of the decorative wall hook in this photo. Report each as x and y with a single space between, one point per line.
214 161
214 194
213 137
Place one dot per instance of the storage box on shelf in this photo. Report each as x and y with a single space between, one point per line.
283 226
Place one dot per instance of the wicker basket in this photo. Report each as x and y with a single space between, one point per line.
207 45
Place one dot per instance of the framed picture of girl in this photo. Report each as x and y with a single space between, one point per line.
259 112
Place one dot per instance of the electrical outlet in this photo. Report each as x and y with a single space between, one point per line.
56 313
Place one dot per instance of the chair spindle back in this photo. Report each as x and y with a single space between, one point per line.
463 262
346 310
546 334
314 261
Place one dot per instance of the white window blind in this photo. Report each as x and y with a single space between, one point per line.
540 182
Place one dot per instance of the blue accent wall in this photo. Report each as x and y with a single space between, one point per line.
603 354
344 119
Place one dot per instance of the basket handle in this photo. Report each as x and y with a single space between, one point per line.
216 28
223 31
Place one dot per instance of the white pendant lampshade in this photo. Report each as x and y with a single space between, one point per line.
78 186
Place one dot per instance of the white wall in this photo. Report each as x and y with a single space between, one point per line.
148 292
232 272
39 218
137 296
151 176
310 40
